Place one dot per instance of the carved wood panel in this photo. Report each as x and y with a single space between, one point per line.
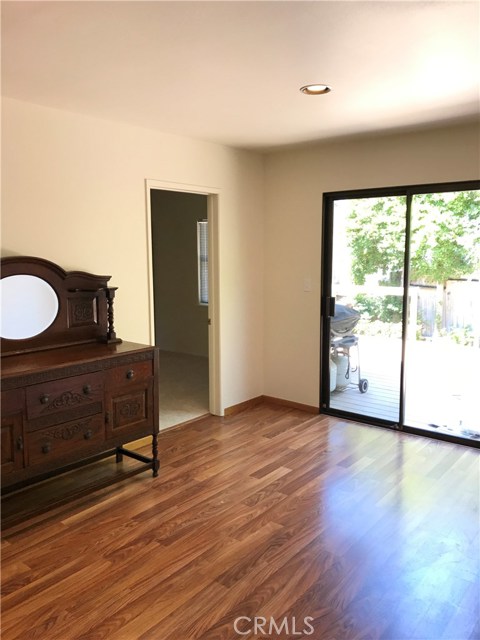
82 311
131 408
12 443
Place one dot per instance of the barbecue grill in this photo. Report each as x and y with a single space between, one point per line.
342 341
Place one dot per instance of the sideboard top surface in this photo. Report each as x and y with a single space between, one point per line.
25 364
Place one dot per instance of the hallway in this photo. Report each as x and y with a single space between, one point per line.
183 388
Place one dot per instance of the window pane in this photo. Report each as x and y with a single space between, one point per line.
443 336
367 283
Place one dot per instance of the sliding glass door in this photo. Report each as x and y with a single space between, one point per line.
442 384
401 308
365 337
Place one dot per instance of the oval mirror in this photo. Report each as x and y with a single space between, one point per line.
29 305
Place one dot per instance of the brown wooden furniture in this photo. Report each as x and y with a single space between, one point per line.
74 392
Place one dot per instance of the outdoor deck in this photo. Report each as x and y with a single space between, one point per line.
442 385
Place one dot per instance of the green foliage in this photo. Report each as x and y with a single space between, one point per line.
445 237
463 336
376 235
384 309
379 328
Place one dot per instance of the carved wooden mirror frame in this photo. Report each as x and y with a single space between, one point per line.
85 306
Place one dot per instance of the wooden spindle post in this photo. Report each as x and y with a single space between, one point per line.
111 335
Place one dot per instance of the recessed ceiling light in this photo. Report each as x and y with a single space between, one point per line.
315 89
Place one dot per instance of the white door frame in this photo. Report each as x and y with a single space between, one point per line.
213 194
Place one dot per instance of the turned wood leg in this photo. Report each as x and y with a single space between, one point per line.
118 455
155 460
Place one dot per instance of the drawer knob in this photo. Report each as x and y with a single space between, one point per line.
20 443
46 448
87 389
88 434
44 398
130 374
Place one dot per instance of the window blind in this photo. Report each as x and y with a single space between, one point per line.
202 250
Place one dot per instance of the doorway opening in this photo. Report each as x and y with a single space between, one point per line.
179 251
401 308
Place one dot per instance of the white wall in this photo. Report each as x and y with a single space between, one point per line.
295 182
74 193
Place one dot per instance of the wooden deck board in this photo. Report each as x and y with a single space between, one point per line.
441 386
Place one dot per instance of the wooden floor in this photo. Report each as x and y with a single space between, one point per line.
310 522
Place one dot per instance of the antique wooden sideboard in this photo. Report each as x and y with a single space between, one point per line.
71 390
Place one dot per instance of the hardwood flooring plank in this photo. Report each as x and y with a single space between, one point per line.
301 571
187 618
40 604
368 533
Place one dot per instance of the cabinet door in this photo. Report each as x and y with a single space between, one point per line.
130 411
12 443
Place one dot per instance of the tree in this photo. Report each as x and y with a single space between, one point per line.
445 237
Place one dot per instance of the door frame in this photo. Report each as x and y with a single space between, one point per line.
213 196
326 290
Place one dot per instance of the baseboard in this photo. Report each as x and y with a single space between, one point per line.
187 422
254 402
242 406
231 411
294 405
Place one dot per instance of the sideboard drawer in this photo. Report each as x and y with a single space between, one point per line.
65 439
129 374
49 398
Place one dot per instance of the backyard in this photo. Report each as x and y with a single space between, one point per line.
431 241
442 384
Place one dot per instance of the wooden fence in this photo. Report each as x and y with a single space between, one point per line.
451 307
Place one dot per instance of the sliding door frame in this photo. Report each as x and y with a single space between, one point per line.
329 198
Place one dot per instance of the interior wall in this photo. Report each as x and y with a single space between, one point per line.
73 191
181 323
295 182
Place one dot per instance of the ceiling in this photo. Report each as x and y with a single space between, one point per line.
230 72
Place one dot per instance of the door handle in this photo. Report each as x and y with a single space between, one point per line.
329 306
